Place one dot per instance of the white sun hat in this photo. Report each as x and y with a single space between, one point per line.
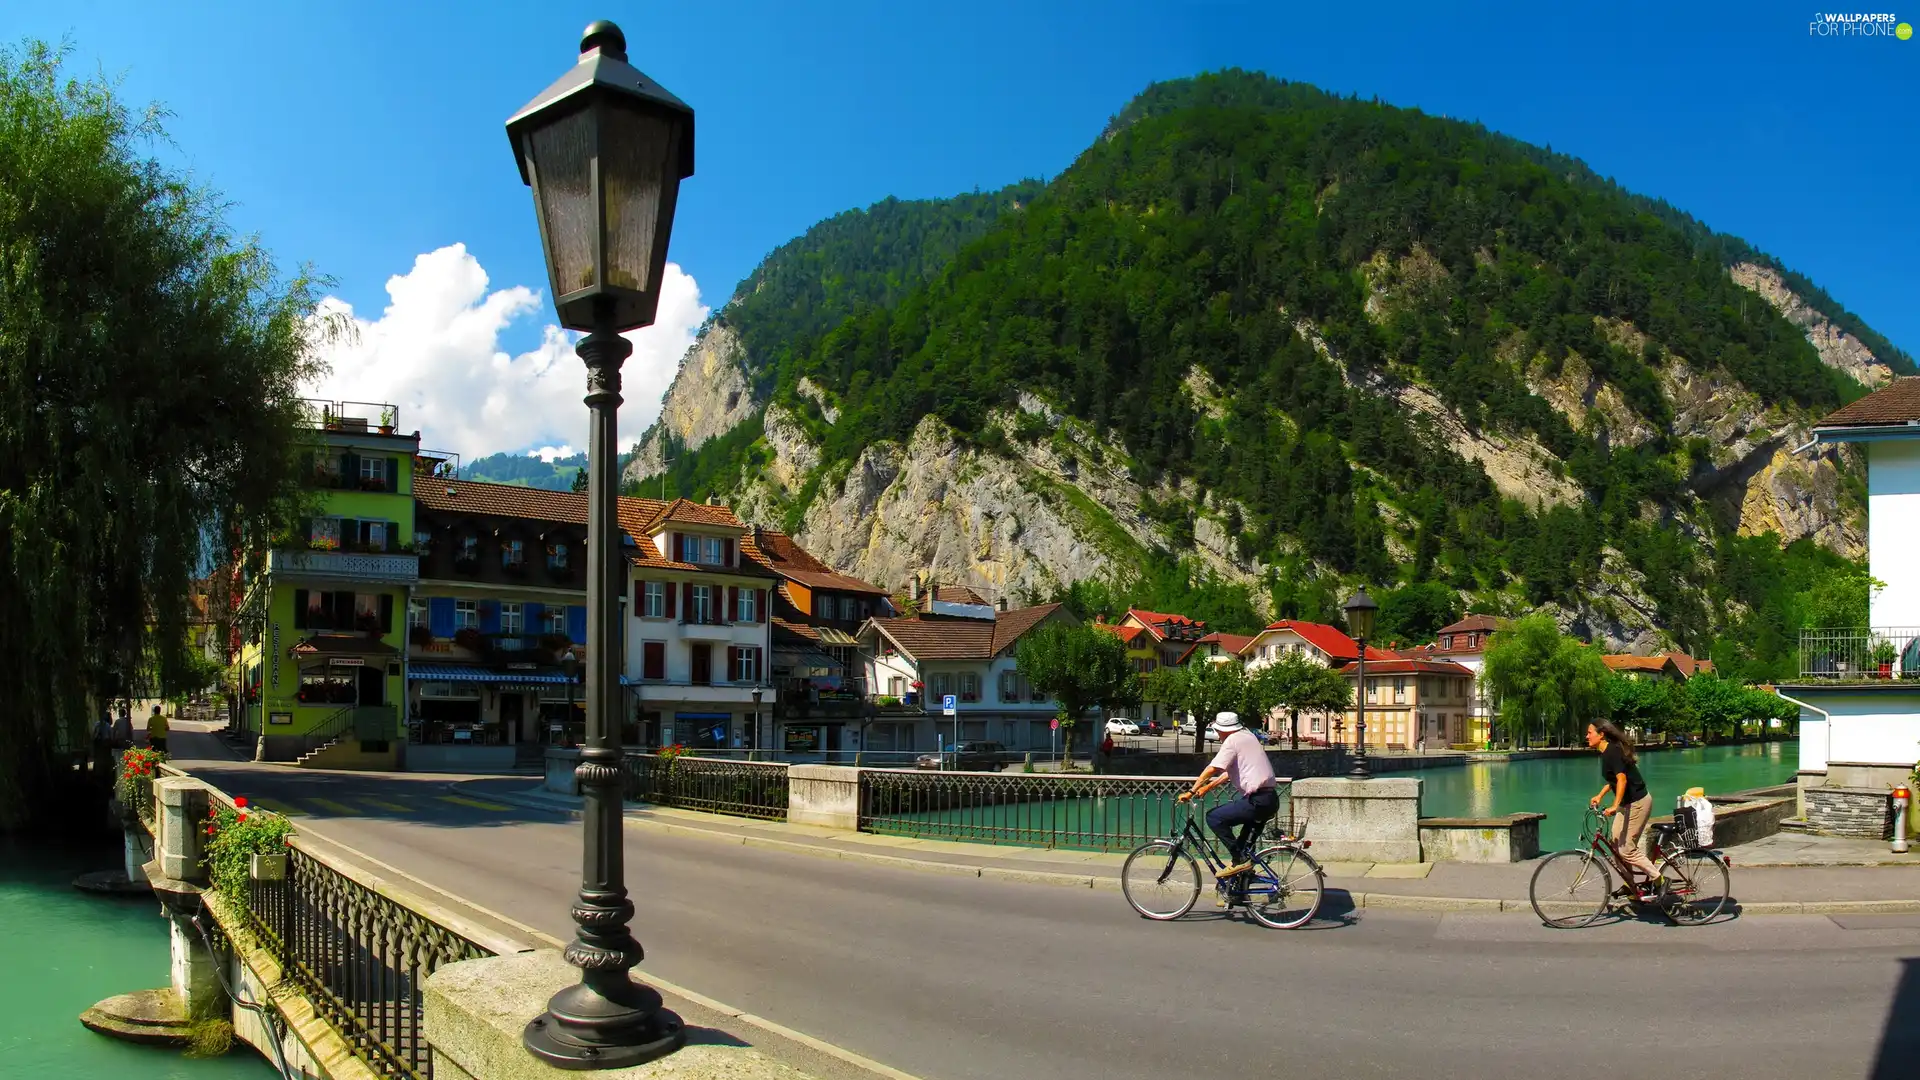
1226 722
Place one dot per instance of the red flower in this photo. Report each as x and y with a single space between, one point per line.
239 802
209 830
243 817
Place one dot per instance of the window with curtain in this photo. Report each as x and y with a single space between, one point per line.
510 618
653 600
466 615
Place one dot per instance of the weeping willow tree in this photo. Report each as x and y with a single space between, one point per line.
150 365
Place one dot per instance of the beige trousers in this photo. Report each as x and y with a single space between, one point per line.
1632 821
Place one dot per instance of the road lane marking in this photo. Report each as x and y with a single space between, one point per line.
281 808
461 800
382 804
332 807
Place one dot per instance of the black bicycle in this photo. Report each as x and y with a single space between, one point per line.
1161 878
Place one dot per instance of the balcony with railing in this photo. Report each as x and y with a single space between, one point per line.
352 417
1865 655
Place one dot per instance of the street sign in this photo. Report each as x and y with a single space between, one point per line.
1054 723
949 705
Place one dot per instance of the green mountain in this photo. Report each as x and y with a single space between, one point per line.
1263 335
525 470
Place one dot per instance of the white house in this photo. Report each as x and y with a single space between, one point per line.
698 637
1316 641
960 648
1859 687
1465 643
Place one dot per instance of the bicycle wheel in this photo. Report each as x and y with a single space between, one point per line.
1284 887
1573 885
1697 886
1161 881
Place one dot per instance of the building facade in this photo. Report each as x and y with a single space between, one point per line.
1163 639
500 605
1321 644
699 622
961 649
1413 704
1465 643
322 622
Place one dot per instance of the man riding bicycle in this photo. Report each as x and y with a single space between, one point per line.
1242 761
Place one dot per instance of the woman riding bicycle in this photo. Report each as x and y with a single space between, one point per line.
1620 770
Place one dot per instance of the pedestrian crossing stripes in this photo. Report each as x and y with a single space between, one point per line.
475 803
372 806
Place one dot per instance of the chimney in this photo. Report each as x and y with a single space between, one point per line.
1000 604
913 588
714 500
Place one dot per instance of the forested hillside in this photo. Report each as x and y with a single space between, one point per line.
1366 345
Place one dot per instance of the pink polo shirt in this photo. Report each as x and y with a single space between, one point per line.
1245 762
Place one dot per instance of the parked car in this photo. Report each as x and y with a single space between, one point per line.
966 757
1120 725
1151 727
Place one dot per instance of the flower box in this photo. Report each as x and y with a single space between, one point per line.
267 867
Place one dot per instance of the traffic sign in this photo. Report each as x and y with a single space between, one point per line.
1054 723
949 705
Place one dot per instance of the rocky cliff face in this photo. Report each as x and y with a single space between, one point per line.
1065 506
709 396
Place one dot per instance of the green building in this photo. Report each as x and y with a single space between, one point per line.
323 623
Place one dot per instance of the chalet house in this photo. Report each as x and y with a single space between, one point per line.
963 649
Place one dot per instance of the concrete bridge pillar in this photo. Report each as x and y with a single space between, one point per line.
1374 820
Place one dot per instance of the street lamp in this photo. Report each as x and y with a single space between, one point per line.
604 149
1360 612
753 733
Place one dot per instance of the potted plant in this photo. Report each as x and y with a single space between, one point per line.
554 643
420 637
468 638
386 420
244 845
1882 656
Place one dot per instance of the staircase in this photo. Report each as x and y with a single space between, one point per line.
336 742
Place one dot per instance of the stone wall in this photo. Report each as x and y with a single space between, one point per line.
1514 838
1865 813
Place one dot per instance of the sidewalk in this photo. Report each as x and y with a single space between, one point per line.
1815 878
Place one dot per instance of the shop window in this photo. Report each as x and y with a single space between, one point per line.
326 686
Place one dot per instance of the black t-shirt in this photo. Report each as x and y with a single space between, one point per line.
1613 762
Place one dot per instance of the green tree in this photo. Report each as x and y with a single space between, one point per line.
1201 689
1079 667
1415 613
580 479
1544 683
150 374
1651 706
1840 598
1298 684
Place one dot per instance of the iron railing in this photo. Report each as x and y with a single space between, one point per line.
1098 813
752 789
360 955
1860 653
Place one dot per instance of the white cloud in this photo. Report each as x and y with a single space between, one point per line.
435 352
549 454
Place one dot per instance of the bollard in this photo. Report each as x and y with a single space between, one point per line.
1901 797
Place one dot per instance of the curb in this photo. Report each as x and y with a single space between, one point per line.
1358 900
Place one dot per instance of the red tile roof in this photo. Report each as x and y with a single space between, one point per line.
1126 634
1398 666
1896 403
502 500
962 639
1621 662
684 511
777 552
1231 644
1329 640
1475 624
1162 625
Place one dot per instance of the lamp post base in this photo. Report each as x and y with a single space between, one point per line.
584 1029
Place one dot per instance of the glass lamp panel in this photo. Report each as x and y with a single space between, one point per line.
560 160
638 149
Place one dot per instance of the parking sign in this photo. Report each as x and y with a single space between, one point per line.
949 705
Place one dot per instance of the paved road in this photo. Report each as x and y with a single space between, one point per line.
961 978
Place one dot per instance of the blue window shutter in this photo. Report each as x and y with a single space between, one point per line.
577 623
440 616
531 618
489 616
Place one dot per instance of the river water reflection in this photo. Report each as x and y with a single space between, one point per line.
61 951
1560 787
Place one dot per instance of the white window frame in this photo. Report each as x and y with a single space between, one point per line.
416 612
653 599
513 553
689 548
557 555
969 687
511 616
745 607
556 620
710 551
466 615
941 684
701 610
373 468
749 664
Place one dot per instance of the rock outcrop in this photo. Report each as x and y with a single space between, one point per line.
1837 348
709 397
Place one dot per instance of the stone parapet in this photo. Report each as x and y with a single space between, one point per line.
824 795
1375 820
1513 838
476 1011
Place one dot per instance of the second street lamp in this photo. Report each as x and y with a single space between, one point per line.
604 149
1360 611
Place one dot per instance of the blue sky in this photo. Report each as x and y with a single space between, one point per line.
360 137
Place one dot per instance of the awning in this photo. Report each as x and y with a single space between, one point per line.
465 673
804 663
830 636
342 646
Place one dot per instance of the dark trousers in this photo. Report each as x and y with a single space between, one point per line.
159 744
1249 813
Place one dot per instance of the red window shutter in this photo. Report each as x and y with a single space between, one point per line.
667 588
655 660
733 603
687 600
760 605
729 550
639 598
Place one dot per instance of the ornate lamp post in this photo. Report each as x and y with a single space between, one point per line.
604 149
753 733
1360 612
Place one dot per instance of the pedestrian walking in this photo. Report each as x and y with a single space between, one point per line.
103 742
157 730
123 728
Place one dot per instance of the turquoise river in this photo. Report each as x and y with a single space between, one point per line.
62 951
1560 787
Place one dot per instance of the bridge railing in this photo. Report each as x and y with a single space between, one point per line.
1095 812
359 949
755 789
